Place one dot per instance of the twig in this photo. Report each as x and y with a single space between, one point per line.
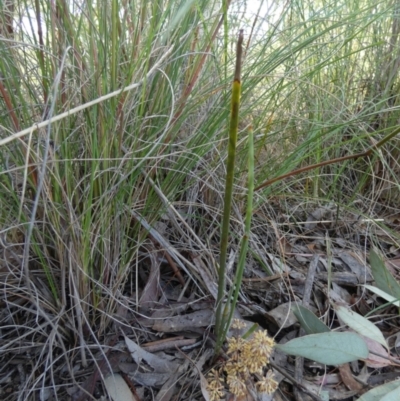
303 388
367 153
168 343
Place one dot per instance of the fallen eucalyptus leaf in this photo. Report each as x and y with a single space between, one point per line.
308 321
328 348
160 365
383 294
117 388
393 395
360 324
383 278
200 318
377 393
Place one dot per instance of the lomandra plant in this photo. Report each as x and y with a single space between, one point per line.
98 131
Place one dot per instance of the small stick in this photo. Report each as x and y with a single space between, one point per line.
303 388
367 153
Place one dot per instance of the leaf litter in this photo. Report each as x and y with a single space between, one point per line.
163 349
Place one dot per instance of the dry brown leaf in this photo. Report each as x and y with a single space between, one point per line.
160 365
168 343
103 368
316 216
201 318
150 294
348 379
154 380
326 379
209 281
375 361
333 393
199 364
311 246
168 389
283 315
203 386
284 245
277 265
357 266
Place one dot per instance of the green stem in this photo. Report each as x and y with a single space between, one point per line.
233 130
245 239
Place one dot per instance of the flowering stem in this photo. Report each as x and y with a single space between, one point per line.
233 130
245 238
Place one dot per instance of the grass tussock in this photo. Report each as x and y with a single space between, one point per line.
89 191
